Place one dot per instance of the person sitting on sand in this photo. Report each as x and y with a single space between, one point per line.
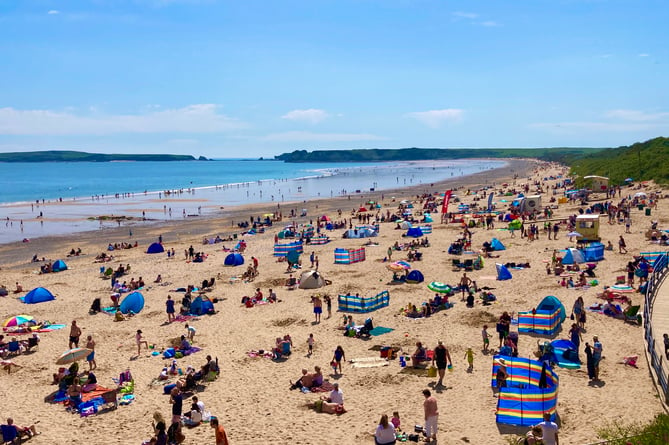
419 355
23 431
321 406
306 381
74 393
18 289
159 279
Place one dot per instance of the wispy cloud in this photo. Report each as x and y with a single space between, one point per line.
312 115
489 23
613 121
199 118
308 136
465 15
53 12
636 115
644 55
436 118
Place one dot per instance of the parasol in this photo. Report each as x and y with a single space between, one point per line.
73 355
17 320
574 234
439 287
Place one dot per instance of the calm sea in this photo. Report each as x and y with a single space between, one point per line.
138 188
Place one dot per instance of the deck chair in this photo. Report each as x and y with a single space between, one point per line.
469 265
9 434
31 343
457 264
14 347
632 315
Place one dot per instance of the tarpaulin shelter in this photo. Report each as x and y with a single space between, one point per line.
497 244
38 295
524 401
546 319
155 248
573 256
282 249
415 232
234 259
311 279
502 272
349 256
58 266
415 276
133 302
201 305
353 303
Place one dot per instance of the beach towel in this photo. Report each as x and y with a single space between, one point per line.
255 354
325 387
380 330
368 362
183 318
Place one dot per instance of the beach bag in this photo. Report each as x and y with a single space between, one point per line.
431 371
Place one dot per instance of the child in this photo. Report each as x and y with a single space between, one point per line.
469 355
310 342
486 338
191 332
396 420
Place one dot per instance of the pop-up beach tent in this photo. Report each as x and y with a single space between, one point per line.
363 232
58 266
38 295
202 305
311 279
415 232
414 277
353 303
531 391
155 248
349 256
497 244
573 256
133 302
546 319
234 259
502 272
405 225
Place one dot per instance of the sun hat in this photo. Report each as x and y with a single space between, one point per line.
500 361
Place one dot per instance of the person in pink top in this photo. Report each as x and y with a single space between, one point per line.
431 416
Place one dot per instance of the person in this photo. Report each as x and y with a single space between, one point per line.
74 393
622 246
596 355
169 308
575 335
322 406
18 289
174 434
90 344
118 316
140 341
577 308
159 279
666 345
486 338
305 381
159 430
221 437
549 431
533 436
419 355
177 400
75 333
336 395
396 421
465 282
328 305
23 431
318 308
339 355
385 433
185 344
431 416
442 358
503 327
501 375
469 355
310 342
191 332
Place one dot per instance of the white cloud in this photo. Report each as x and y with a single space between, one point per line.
198 118
435 118
644 55
53 12
307 136
636 115
574 127
465 15
489 23
312 115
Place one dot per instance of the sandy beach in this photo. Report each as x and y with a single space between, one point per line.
251 397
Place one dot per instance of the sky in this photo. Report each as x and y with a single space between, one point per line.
252 78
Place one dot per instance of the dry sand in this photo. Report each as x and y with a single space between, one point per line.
251 397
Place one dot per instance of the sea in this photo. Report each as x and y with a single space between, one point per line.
41 199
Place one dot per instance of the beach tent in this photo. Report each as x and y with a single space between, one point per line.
573 256
363 232
202 305
349 256
38 295
133 302
546 319
594 252
58 266
565 354
353 303
523 401
311 279
234 259
405 225
502 272
414 232
293 256
497 244
282 249
155 248
427 218
515 224
415 276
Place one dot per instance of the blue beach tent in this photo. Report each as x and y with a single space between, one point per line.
38 295
59 266
155 248
502 272
202 305
497 244
234 259
415 232
415 276
133 302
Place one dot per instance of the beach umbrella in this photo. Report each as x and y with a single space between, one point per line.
404 264
439 287
399 266
362 210
17 320
73 355
640 195
574 234
371 202
325 218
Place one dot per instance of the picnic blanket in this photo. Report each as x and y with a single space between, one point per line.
183 318
368 362
255 354
380 330
97 392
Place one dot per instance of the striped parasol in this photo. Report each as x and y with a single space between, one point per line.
17 320
73 355
439 287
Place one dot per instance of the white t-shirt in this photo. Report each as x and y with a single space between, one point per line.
549 432
385 435
336 396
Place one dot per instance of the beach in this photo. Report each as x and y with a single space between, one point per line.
251 397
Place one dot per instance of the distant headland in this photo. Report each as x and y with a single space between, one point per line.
80 156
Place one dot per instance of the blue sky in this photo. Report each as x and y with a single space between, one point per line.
247 78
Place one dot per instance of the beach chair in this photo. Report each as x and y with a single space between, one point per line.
13 348
457 264
469 265
9 435
632 315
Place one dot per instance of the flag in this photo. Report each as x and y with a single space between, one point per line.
490 202
447 198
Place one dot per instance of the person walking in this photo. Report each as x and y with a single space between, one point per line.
221 437
169 308
139 340
622 246
431 411
75 333
442 358
90 344
596 355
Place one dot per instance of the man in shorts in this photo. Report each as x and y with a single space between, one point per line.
442 358
431 416
75 333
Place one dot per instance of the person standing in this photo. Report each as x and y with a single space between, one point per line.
596 355
328 305
75 333
221 437
622 246
465 282
139 340
169 308
177 400
312 257
90 344
310 343
442 358
589 361
318 308
431 416
549 431
339 355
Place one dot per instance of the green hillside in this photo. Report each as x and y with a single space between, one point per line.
641 161
80 156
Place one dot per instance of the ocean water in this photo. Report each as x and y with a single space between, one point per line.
67 195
